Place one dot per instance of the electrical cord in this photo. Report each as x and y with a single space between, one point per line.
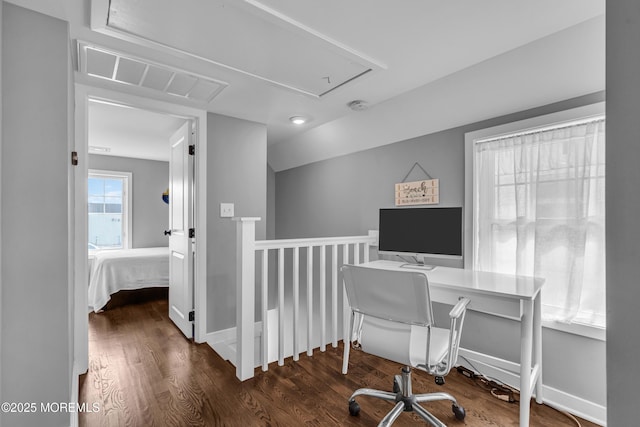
570 416
476 371
500 390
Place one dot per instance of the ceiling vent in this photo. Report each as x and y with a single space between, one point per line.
106 64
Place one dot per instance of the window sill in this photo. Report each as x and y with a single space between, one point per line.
588 331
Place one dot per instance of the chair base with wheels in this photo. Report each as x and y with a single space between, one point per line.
406 401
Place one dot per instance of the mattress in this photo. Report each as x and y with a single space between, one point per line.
125 269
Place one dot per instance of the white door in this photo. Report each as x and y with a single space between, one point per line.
180 222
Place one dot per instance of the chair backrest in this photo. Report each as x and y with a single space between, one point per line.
399 296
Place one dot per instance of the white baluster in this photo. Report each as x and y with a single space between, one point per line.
296 302
334 294
309 300
323 298
265 310
346 311
281 307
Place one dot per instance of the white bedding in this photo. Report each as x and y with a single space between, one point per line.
115 270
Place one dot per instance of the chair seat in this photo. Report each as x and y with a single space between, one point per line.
401 343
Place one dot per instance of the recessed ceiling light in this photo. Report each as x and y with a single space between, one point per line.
298 120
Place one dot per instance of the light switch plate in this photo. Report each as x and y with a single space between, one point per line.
226 210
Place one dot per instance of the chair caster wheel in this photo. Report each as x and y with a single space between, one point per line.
354 408
458 411
396 386
440 380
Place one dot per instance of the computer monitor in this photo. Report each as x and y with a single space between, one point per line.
421 232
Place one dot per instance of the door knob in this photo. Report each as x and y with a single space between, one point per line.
167 232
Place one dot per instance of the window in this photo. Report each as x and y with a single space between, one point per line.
538 209
109 209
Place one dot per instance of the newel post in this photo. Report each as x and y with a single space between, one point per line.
245 296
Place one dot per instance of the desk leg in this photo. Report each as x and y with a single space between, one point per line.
537 344
526 344
347 343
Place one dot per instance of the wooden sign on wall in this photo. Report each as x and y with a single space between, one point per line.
417 193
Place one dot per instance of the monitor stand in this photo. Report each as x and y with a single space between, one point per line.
416 266
419 264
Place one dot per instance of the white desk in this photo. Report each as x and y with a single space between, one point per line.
504 295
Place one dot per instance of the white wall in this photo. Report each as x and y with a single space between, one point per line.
236 173
35 157
623 208
150 214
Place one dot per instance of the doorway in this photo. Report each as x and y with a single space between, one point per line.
84 96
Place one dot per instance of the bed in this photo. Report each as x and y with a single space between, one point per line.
111 271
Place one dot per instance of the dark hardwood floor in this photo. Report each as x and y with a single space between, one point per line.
143 372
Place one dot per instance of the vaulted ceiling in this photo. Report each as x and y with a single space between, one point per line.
419 65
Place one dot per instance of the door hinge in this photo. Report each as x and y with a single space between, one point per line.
192 316
192 233
74 158
192 150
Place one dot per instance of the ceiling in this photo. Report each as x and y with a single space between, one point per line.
420 65
116 130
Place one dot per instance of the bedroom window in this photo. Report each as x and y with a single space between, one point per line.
539 209
109 208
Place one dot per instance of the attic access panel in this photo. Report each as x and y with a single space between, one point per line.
244 37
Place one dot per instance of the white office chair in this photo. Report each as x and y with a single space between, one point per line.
392 318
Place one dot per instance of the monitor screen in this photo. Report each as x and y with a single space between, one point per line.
435 232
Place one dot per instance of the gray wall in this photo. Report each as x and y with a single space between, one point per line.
271 203
35 155
236 173
623 202
150 214
342 196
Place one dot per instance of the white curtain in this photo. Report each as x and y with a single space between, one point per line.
539 210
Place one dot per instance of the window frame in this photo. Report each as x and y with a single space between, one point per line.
127 201
538 122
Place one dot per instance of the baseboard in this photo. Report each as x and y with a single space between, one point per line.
507 372
223 342
75 393
220 342
577 406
